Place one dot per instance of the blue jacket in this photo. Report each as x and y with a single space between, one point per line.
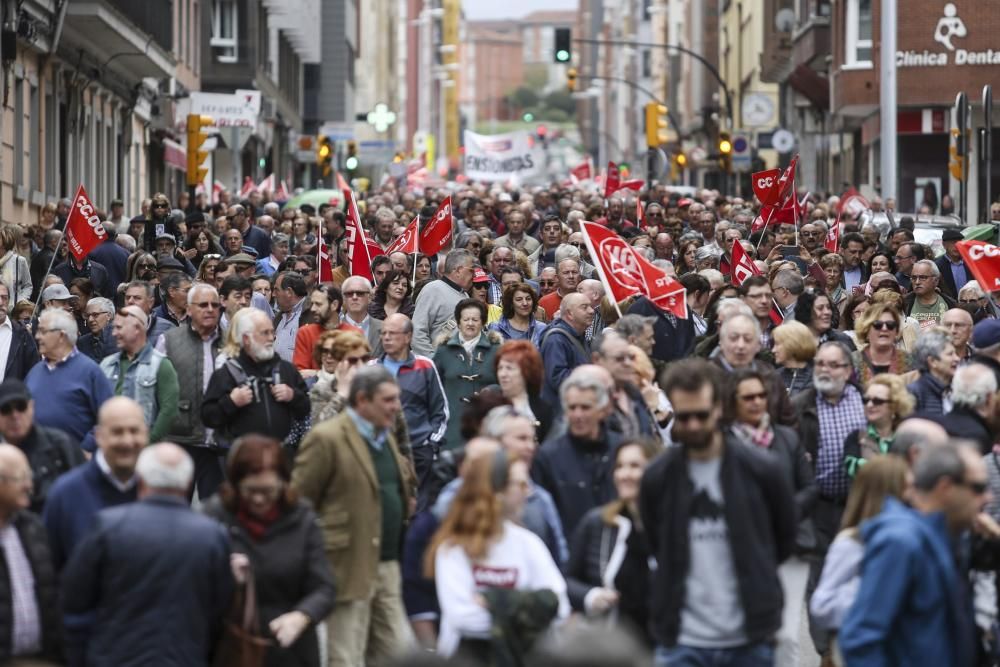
100 346
563 349
424 405
929 394
73 502
912 608
136 596
114 258
534 332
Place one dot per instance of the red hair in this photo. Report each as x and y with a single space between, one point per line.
526 356
252 454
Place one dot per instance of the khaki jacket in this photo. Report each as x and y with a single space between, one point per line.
334 471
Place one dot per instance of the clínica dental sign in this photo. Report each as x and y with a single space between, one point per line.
948 33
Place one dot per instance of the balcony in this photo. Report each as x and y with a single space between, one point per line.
153 18
100 29
811 42
776 58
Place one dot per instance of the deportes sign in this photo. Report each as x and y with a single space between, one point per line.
501 157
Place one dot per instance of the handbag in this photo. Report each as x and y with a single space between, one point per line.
240 644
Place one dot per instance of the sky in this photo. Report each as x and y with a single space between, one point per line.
491 9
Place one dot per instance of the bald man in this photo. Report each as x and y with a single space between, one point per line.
107 480
28 584
959 324
564 344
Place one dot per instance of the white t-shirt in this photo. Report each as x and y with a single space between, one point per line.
519 560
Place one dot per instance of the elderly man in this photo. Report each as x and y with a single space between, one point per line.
568 272
357 294
629 415
351 470
73 385
257 391
958 323
594 291
498 261
576 467
564 344
142 373
279 252
252 236
951 267
424 404
132 595
143 294
173 293
787 287
973 415
434 310
551 234
57 297
290 292
106 480
28 586
925 303
515 237
99 341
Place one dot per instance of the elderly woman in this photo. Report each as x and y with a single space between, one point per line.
815 310
878 333
465 362
887 402
833 266
794 348
935 357
518 321
338 355
267 523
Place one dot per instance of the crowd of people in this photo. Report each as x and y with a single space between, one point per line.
209 448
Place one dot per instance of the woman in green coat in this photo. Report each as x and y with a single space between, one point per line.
464 361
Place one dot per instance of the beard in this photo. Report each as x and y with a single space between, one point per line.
698 440
261 352
828 386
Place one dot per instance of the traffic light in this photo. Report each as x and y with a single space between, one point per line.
351 163
563 51
957 152
656 124
196 136
725 152
571 79
681 160
324 155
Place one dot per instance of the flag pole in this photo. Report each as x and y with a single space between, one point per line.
767 223
52 261
416 255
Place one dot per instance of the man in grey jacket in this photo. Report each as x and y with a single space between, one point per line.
434 311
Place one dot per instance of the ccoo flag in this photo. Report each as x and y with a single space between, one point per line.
84 230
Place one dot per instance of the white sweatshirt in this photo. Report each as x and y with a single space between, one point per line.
518 560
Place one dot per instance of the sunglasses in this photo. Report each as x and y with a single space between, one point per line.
208 304
547 283
358 294
696 415
882 325
14 406
161 206
877 402
212 256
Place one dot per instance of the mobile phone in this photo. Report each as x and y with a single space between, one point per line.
790 251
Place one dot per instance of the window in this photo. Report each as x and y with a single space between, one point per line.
51 154
34 135
858 33
647 63
18 131
224 26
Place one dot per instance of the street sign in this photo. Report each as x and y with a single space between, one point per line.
783 141
337 131
240 109
742 152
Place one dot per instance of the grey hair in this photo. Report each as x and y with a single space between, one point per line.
930 344
279 239
456 259
731 306
597 342
791 281
972 286
145 285
245 324
385 214
465 238
156 473
59 319
201 287
937 463
583 379
566 251
728 323
494 424
126 241
664 264
366 382
972 385
633 325
105 305
935 271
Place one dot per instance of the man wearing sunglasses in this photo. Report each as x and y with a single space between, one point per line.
722 520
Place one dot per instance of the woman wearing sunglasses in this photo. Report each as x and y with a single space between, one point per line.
338 356
887 403
878 333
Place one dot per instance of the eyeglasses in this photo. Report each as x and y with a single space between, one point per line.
831 365
697 415
358 294
363 359
547 283
917 278
18 405
161 205
883 325
877 402
208 304
146 265
577 245
750 398
266 492
90 316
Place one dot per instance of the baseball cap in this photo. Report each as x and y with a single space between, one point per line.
986 334
12 390
480 276
57 293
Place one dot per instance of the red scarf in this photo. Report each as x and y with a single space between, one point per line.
257 526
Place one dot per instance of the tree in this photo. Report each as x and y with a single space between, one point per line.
562 100
523 98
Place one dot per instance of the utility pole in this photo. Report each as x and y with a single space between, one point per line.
888 94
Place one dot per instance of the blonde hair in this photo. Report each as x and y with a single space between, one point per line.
797 339
900 399
643 366
875 310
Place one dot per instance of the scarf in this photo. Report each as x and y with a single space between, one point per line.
761 435
328 378
469 345
257 526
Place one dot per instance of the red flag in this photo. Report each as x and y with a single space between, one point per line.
789 214
84 230
436 234
341 183
640 214
248 187
632 184
282 194
324 265
582 171
407 241
833 236
374 249
773 186
267 185
624 272
612 182
742 268
983 260
853 202
358 252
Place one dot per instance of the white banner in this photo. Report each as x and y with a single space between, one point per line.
501 157
239 109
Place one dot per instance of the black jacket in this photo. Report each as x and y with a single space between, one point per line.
966 423
23 354
95 271
673 337
50 453
760 517
264 414
136 596
577 473
285 583
100 346
36 547
947 284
